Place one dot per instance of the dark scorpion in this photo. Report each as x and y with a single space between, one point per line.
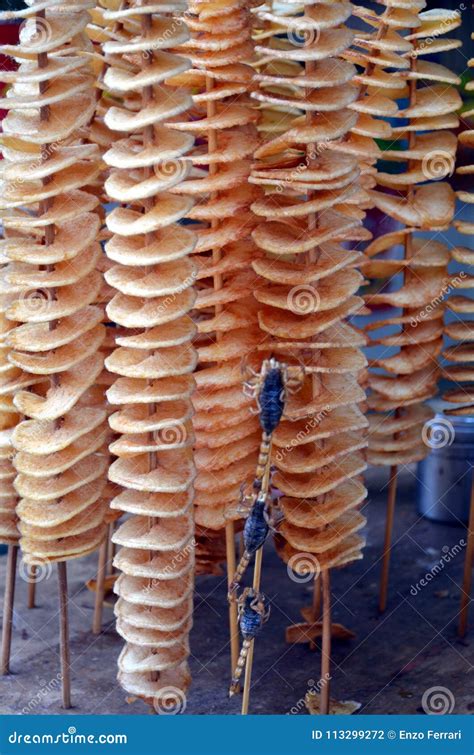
270 387
254 611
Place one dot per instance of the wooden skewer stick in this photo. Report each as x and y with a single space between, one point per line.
248 666
316 598
326 642
32 572
111 549
468 564
257 575
8 603
100 586
316 605
387 546
148 96
392 489
392 492
64 635
49 236
217 284
233 615
322 590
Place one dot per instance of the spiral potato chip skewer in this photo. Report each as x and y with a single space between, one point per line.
308 288
459 353
460 331
403 380
99 30
152 276
9 534
408 379
51 285
226 434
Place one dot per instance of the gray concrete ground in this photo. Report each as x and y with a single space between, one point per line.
391 663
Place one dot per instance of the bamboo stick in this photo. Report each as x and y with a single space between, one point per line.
100 586
326 642
257 577
468 564
233 618
32 572
387 547
392 488
248 666
65 651
8 603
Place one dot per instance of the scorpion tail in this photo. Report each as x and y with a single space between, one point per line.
239 573
263 455
234 686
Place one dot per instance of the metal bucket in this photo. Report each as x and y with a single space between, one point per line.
445 476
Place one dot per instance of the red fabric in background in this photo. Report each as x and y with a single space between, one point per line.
8 36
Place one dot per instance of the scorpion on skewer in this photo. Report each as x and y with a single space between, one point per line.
270 388
254 611
256 528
